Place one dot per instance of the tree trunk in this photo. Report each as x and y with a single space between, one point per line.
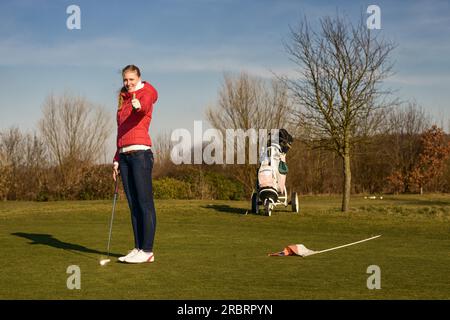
347 179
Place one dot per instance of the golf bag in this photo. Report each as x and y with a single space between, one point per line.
273 168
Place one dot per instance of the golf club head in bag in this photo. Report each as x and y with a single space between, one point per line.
282 138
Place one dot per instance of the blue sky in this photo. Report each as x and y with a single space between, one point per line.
184 46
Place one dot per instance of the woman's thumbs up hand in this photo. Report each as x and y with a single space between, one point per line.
135 102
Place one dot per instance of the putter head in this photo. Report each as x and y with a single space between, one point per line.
104 261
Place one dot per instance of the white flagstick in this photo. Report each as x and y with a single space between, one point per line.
345 245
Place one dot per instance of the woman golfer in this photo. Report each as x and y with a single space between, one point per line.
134 160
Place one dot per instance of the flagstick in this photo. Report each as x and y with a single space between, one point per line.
345 245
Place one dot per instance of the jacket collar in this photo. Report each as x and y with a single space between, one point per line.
139 86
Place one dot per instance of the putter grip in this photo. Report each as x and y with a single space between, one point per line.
116 186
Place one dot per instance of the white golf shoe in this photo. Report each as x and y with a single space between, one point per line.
141 257
129 255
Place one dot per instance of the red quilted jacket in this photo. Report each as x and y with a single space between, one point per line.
133 124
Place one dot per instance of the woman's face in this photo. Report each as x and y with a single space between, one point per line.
130 80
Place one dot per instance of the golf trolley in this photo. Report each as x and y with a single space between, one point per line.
271 176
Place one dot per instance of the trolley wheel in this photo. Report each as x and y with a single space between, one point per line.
268 208
255 204
294 202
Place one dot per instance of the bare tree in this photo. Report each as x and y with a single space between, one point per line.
247 102
11 143
12 150
408 120
339 96
75 132
35 152
162 147
404 128
5 172
22 157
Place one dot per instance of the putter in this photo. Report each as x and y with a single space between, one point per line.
116 191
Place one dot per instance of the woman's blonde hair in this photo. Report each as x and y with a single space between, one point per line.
128 68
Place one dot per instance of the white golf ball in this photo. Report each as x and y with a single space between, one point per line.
104 261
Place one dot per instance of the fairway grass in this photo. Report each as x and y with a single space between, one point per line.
217 250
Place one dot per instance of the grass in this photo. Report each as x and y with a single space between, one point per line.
214 250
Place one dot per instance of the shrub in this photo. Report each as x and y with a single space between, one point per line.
170 188
224 188
96 183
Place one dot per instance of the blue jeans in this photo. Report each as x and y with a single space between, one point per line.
136 173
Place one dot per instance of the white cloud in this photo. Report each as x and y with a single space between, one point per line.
96 51
420 80
111 52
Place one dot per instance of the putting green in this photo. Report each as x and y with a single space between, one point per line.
214 250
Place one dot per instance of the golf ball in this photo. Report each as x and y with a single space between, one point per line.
104 261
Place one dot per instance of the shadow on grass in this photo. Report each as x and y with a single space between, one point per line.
49 240
226 209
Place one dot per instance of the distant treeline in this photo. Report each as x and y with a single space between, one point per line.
407 153
384 164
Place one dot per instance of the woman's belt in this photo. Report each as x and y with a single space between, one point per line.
133 149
